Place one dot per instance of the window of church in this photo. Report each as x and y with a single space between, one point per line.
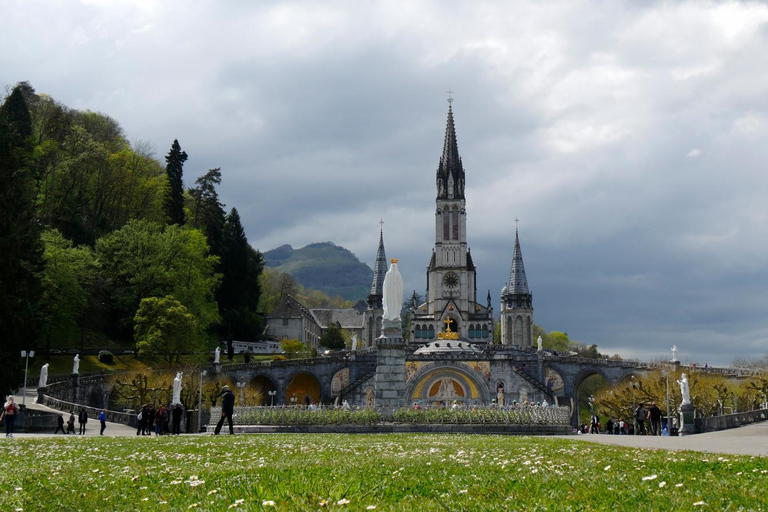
431 332
417 332
446 226
485 330
455 222
471 330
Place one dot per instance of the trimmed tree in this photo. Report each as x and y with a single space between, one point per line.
164 327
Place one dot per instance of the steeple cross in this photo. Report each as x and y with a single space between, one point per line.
447 323
450 96
516 221
381 222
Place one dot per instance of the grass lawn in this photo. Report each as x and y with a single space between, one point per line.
359 472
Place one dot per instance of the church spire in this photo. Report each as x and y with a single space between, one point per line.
379 271
450 171
518 283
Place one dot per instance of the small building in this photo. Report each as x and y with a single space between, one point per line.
292 320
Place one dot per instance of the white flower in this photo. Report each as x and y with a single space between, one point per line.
267 503
606 468
342 501
679 485
370 507
662 484
651 477
699 503
463 491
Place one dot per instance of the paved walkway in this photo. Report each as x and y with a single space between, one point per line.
747 440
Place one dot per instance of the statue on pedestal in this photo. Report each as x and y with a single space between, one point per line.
393 294
216 355
540 344
354 343
43 376
674 354
685 390
177 389
76 364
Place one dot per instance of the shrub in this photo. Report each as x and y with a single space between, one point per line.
106 357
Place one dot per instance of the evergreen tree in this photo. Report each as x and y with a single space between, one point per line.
20 244
174 169
207 212
238 297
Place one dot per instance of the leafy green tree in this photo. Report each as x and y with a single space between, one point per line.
20 244
292 348
333 338
164 327
143 259
66 277
174 169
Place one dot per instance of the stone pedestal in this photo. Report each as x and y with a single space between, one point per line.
216 368
40 392
686 420
75 387
390 368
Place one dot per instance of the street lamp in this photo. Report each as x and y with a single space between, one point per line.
634 420
241 387
272 396
26 354
665 372
203 373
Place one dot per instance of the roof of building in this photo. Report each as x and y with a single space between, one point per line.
450 169
345 318
518 283
448 347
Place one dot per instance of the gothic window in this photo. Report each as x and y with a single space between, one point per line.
455 221
485 330
471 330
431 332
417 332
528 330
519 330
446 226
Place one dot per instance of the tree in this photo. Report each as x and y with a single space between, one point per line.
240 290
292 348
164 327
207 213
66 278
20 244
174 169
333 338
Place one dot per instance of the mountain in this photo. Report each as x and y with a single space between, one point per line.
324 266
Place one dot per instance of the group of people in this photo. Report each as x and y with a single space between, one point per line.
82 419
651 416
163 420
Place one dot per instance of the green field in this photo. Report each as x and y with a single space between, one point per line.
369 472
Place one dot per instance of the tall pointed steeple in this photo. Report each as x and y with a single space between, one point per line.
379 271
518 283
450 171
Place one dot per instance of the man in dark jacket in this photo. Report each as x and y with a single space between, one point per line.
654 414
227 409
177 412
82 419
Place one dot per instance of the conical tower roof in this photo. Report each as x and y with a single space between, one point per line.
450 171
518 283
379 270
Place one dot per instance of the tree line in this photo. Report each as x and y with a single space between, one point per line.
99 240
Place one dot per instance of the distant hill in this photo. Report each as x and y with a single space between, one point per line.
324 266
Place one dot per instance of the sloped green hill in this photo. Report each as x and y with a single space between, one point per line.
324 266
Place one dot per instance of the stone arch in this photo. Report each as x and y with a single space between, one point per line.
95 399
302 386
265 385
427 381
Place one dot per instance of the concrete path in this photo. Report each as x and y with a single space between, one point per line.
747 440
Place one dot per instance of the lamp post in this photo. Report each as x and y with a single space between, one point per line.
634 420
27 355
241 387
200 401
272 397
665 372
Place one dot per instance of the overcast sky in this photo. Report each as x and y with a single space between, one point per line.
629 138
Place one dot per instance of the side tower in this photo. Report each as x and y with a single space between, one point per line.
375 310
451 303
517 304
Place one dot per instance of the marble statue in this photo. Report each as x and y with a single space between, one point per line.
216 355
43 376
685 390
674 354
76 364
540 344
177 389
354 343
393 293
345 405
446 389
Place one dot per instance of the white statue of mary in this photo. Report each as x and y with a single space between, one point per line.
177 389
685 389
393 293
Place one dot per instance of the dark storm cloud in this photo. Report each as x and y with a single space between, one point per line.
628 138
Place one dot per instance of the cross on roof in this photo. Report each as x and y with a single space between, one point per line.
450 96
381 222
516 221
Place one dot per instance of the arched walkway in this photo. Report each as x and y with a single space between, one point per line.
446 383
302 389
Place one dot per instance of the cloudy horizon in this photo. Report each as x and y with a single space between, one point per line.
629 139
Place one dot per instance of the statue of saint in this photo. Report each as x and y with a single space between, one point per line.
540 344
393 293
43 376
177 389
685 390
76 364
446 389
674 354
216 355
354 343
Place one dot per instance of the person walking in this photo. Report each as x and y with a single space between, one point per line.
103 420
60 424
654 415
10 411
594 428
177 412
71 422
82 419
227 410
640 416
